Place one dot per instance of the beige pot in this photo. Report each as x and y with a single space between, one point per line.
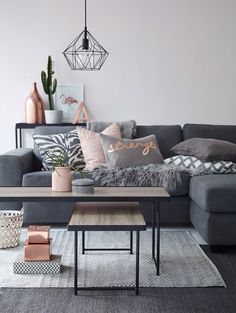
61 179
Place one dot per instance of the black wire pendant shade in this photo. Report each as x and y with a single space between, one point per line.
84 53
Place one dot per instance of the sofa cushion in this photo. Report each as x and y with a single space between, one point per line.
37 179
127 128
222 132
67 143
40 179
92 146
214 193
167 136
192 163
130 152
47 130
215 228
207 149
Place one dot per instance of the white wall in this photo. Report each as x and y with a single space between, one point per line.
171 61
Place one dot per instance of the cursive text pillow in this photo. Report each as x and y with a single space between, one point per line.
131 152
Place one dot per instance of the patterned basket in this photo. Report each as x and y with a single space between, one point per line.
10 228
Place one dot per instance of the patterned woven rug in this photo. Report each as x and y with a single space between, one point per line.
183 263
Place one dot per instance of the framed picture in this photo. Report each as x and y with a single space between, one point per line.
67 99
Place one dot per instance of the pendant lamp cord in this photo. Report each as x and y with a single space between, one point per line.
85 13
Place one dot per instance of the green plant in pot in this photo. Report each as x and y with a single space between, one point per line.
49 83
62 171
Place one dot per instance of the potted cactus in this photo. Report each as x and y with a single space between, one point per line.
49 83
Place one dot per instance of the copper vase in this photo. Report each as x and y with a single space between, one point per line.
34 107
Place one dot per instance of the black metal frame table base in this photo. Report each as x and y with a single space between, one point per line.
155 239
76 288
84 249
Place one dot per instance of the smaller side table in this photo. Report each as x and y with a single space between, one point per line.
108 216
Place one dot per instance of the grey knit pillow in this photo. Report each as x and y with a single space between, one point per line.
130 152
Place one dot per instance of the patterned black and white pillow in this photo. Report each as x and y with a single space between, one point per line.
68 142
192 163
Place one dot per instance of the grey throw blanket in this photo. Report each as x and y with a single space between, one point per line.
127 128
173 178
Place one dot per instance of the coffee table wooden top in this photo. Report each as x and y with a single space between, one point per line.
107 216
101 193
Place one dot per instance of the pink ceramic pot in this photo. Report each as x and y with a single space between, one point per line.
61 179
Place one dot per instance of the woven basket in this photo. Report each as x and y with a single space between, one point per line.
10 228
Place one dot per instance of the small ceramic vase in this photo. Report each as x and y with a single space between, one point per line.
61 179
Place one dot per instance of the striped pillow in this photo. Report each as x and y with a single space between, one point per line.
68 142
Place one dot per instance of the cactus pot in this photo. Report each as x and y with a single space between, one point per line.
53 116
61 179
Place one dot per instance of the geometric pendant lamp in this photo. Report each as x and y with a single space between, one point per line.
84 53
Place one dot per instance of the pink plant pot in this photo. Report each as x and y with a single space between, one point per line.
61 179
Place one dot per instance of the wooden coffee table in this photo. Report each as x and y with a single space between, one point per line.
104 194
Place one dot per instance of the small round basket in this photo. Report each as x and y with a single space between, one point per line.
10 228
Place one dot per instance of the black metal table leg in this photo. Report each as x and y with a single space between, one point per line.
137 264
131 242
153 229
75 262
20 138
16 137
83 241
156 237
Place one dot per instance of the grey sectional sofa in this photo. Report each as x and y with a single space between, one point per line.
209 204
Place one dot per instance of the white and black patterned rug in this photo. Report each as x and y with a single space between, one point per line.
183 263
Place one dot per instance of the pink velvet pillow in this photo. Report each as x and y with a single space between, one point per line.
92 147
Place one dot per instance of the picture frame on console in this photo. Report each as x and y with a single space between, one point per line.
68 98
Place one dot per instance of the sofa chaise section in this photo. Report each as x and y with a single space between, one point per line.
213 197
213 208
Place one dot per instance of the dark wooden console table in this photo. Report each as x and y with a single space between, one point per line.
20 126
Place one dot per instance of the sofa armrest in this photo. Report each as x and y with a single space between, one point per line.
13 165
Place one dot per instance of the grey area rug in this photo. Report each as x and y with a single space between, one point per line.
183 263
